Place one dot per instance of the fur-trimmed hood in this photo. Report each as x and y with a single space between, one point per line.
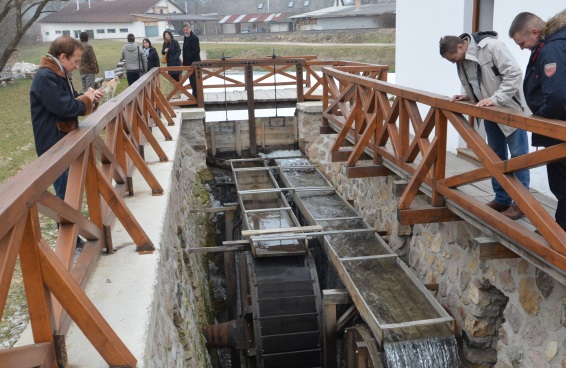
554 24
50 62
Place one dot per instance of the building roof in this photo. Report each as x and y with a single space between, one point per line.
177 16
118 11
349 11
252 18
272 6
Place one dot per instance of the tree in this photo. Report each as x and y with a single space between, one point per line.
16 17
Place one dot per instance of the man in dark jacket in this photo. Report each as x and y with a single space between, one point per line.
544 83
191 53
89 65
55 106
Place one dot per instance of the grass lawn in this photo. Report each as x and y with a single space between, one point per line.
16 142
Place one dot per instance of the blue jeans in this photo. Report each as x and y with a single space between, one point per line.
60 184
518 144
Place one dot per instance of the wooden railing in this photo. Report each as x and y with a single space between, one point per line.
304 72
101 155
400 138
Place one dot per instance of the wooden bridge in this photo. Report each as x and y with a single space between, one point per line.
395 136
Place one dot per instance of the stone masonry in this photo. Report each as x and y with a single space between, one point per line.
183 305
508 313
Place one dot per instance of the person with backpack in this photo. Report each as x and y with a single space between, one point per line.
136 61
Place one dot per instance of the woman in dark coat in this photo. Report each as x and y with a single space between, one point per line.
151 54
173 50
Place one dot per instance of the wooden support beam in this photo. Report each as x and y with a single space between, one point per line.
367 171
426 215
298 229
326 130
81 309
37 355
336 296
222 248
492 249
341 156
399 187
348 315
215 209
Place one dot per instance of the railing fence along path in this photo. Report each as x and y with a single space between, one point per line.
357 105
385 121
101 156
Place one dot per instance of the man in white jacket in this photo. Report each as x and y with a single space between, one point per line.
491 76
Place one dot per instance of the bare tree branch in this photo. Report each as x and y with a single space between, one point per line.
18 8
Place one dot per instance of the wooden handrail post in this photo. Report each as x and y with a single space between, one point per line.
300 88
249 77
439 169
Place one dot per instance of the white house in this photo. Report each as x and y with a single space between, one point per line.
111 19
420 26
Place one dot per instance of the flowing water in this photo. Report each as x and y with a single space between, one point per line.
427 353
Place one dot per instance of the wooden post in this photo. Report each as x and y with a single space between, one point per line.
249 76
441 132
300 91
230 271
330 298
362 354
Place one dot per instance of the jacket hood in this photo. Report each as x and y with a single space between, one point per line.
478 36
131 46
554 24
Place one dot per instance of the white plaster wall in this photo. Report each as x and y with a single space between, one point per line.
419 65
137 28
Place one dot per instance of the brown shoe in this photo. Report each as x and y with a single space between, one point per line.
514 213
499 207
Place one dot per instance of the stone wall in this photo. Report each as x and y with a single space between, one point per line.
508 313
183 305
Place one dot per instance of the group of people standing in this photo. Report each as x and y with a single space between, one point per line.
190 53
490 76
142 59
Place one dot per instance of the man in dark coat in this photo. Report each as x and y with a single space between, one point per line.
544 86
191 53
55 106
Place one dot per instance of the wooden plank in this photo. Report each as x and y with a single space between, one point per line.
132 226
215 209
344 318
329 336
340 156
492 249
37 295
426 215
336 296
424 322
82 310
367 171
36 355
222 248
298 229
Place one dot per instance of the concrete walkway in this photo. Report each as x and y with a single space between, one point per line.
122 287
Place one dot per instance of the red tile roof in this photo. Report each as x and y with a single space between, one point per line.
252 18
